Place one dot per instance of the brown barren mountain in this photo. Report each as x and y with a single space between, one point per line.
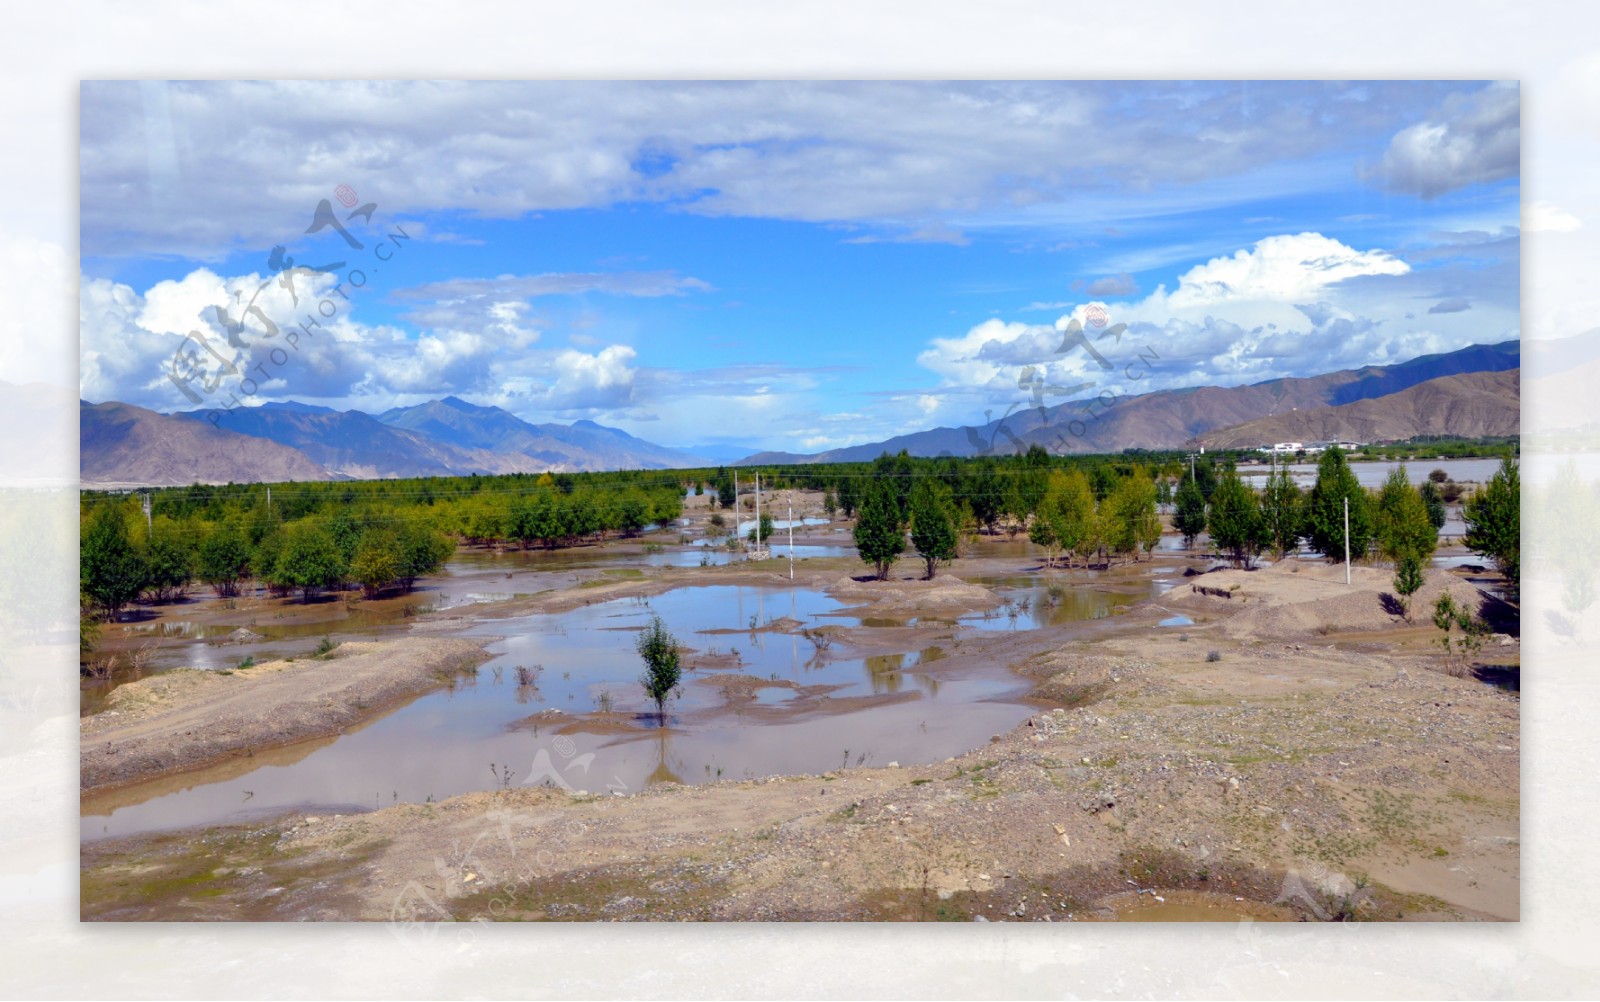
1471 405
123 445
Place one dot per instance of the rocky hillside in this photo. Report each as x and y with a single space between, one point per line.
1473 405
123 445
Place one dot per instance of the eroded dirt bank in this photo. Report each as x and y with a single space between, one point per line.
184 720
1296 768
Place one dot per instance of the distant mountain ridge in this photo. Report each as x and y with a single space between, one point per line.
122 444
1168 419
1471 405
582 445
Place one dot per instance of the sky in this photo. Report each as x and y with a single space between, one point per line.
783 265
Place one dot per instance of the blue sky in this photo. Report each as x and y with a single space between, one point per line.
788 265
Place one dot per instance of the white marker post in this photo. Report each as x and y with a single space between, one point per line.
1347 539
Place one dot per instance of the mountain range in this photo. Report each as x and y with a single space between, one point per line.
1471 392
125 445
1167 419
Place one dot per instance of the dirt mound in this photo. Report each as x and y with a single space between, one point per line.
910 598
1296 599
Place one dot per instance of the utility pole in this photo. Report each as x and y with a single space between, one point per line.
791 536
1347 539
269 502
759 551
736 503
149 525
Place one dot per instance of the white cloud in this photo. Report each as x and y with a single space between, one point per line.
1273 309
601 380
982 355
907 159
620 283
128 341
1473 138
929 233
1284 269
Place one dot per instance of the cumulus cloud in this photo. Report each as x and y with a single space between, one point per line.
128 341
603 380
1473 138
1269 310
1285 268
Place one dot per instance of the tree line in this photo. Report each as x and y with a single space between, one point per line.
1398 522
123 558
1093 513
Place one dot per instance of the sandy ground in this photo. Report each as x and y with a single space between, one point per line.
1294 753
183 720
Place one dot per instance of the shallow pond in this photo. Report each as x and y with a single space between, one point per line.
794 712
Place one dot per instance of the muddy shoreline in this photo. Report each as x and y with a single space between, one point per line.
185 720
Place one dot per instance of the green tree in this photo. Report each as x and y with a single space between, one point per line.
1280 510
111 570
897 472
933 524
310 560
830 503
849 495
1494 522
1401 521
377 561
1408 580
633 513
345 529
169 560
1434 502
725 495
986 493
662 673
1324 509
1130 521
761 531
264 560
879 536
422 551
224 560
1189 511
1042 532
1235 522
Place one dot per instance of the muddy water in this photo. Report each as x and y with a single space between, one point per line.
797 712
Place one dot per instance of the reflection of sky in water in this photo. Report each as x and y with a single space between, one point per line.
443 743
